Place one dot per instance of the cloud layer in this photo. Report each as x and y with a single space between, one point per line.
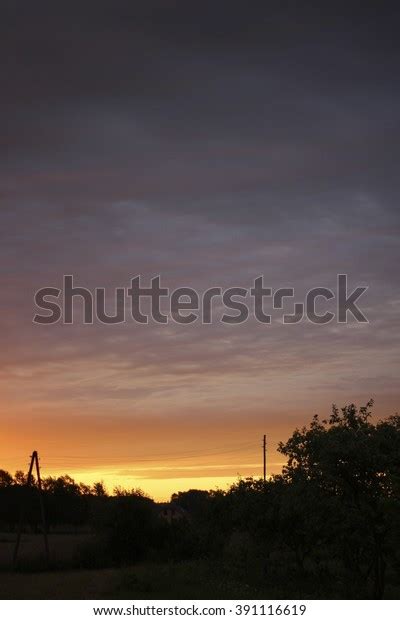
208 145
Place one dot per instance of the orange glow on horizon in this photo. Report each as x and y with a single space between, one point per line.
129 453
160 454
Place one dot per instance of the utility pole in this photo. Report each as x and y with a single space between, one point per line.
265 457
34 461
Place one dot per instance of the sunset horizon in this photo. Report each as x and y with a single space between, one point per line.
164 464
200 305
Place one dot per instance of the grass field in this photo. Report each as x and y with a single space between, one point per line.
64 549
59 585
151 580
186 580
147 581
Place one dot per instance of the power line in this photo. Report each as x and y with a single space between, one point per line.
85 460
191 454
131 457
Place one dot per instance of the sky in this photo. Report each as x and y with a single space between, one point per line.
207 143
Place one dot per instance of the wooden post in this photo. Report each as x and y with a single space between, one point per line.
42 511
34 461
265 457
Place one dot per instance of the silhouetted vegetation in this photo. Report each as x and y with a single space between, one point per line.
327 526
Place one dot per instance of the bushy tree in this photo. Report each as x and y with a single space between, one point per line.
6 479
351 459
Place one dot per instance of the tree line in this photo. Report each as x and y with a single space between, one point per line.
332 516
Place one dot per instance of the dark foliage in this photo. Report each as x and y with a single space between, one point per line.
331 518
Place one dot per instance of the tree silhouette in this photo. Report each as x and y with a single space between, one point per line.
329 524
6 479
350 459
